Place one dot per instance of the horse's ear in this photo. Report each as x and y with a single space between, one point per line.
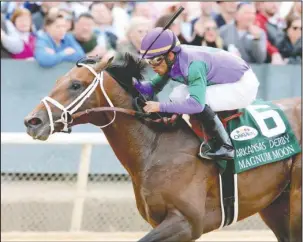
103 63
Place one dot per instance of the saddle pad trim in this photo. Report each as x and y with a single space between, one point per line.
221 202
236 203
229 211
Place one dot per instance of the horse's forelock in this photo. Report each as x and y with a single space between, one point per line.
123 72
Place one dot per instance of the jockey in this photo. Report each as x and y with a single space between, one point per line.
211 80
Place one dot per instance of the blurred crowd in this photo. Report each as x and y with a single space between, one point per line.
55 32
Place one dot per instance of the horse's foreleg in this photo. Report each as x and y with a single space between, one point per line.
175 227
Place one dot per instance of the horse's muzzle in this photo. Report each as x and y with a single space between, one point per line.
35 127
33 122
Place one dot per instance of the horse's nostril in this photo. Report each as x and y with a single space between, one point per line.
33 122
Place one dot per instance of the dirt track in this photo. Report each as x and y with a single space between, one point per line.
244 235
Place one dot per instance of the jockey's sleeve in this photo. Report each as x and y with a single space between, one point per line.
188 106
144 87
197 83
159 82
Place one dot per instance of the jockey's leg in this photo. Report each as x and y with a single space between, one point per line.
222 97
223 148
233 96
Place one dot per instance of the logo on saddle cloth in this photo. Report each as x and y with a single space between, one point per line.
244 133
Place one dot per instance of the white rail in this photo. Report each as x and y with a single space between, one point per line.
87 140
57 138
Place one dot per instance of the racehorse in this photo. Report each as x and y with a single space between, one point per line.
176 192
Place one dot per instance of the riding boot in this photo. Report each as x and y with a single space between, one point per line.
223 148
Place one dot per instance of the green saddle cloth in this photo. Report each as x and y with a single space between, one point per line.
261 135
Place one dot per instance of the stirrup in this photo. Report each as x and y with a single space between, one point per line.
229 155
204 148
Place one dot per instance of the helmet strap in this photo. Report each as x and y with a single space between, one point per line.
169 62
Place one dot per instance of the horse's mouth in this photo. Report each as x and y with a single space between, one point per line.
42 133
41 137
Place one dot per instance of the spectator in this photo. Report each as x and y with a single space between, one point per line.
54 45
227 11
296 10
121 19
22 20
184 26
38 17
85 36
291 46
137 29
248 39
109 5
266 11
207 34
106 33
10 41
78 8
4 53
69 17
32 6
144 9
206 13
175 27
9 7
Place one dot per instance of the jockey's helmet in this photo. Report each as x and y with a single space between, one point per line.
167 42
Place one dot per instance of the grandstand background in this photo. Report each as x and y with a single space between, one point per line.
39 182
40 190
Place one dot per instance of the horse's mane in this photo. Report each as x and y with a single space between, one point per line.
124 72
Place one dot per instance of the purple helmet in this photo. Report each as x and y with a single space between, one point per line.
167 41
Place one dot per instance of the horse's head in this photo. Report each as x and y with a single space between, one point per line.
77 90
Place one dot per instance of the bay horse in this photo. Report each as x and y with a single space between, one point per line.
176 192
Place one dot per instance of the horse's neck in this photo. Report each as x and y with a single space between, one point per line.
131 141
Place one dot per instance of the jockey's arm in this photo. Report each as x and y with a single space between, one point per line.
152 87
197 83
159 82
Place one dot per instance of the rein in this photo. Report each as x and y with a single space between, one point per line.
77 119
70 118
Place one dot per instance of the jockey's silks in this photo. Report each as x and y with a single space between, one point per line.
199 67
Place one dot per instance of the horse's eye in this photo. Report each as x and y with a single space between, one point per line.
75 85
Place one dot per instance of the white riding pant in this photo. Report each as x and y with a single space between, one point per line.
227 96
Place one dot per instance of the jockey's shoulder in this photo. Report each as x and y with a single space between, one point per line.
193 48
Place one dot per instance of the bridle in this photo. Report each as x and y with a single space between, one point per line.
66 116
69 111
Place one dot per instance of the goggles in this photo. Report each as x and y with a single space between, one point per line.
156 61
